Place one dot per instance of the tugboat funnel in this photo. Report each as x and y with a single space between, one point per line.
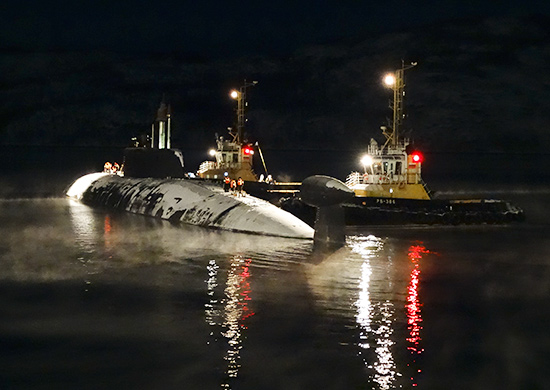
327 194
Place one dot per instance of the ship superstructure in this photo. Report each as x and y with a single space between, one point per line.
233 156
390 189
393 169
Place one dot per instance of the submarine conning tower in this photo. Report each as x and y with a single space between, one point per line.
155 158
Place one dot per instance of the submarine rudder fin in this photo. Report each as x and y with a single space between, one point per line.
327 194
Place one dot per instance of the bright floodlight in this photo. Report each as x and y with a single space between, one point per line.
234 94
389 80
366 160
212 152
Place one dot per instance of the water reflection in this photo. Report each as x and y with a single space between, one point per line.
83 221
378 279
414 308
211 312
231 311
92 228
375 318
108 232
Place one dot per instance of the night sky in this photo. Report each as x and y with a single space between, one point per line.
92 73
222 28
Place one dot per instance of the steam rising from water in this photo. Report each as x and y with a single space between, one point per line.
385 309
74 240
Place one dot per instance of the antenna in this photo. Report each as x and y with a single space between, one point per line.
396 81
240 96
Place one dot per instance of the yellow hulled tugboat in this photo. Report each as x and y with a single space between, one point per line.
390 189
392 170
233 157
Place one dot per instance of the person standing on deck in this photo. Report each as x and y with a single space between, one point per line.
240 184
226 182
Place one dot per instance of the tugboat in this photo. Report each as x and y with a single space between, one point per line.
390 189
233 157
392 170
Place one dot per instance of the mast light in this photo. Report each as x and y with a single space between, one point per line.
389 80
234 94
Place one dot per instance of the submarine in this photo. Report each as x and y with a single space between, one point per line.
185 201
151 182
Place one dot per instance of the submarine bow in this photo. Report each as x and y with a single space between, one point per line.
186 201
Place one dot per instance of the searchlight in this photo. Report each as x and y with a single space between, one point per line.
389 80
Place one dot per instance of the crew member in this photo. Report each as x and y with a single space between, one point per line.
240 184
226 182
233 186
107 167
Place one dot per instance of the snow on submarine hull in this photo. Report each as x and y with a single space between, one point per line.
186 201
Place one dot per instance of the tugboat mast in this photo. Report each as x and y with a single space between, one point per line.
240 96
396 81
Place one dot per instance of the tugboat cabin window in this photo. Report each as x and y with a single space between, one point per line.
235 157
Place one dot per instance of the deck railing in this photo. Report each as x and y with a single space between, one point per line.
356 178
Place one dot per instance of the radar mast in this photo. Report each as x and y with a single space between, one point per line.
396 81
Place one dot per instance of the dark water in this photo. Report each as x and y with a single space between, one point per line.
91 299
97 300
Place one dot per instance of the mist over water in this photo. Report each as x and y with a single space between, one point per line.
94 299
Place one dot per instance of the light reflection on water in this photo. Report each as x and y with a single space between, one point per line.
414 309
376 282
227 315
236 311
372 282
375 319
152 303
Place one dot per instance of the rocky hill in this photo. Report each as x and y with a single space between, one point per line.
480 85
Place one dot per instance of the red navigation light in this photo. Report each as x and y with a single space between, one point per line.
417 157
248 150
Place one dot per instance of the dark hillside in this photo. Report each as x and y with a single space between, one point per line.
481 85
